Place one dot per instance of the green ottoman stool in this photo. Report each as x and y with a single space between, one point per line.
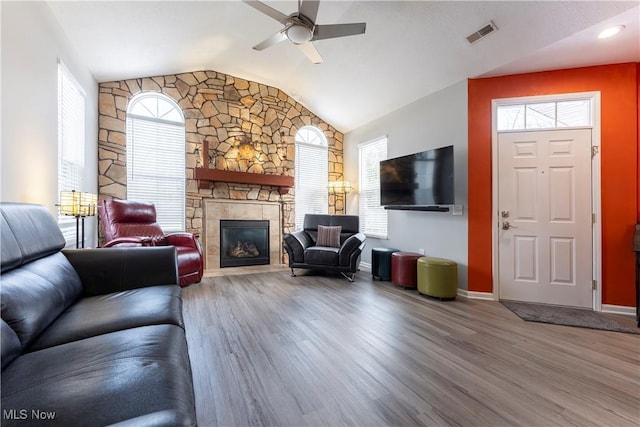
381 262
437 277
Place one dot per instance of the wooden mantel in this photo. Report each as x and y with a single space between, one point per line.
206 175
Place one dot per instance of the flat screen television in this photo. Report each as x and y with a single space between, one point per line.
420 179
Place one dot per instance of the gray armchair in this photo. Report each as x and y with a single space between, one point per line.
310 249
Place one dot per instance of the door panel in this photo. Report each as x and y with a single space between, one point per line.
525 186
562 261
544 200
561 197
526 258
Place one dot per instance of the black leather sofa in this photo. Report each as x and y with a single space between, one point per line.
90 337
304 252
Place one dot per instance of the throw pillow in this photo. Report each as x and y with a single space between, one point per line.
329 236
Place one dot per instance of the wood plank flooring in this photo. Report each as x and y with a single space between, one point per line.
273 350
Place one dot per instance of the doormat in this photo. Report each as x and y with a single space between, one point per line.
566 316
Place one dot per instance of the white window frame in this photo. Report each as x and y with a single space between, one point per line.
312 173
156 157
71 143
551 117
374 218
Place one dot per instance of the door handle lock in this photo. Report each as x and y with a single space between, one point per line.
506 225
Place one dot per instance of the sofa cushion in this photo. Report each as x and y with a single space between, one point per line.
35 294
312 221
329 236
32 229
11 347
321 255
105 379
10 250
350 223
102 314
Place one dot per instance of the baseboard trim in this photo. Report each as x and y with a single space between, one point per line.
487 296
365 266
619 309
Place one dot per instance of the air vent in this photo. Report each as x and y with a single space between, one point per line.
482 32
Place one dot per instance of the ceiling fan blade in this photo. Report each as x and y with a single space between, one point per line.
274 39
268 10
310 51
309 8
322 32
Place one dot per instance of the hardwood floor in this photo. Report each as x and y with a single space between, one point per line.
273 350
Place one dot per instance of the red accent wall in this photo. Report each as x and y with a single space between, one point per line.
638 135
619 86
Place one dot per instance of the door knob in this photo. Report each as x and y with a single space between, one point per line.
506 225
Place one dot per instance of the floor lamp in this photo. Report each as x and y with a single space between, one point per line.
79 205
341 187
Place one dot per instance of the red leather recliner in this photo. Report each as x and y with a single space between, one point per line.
131 223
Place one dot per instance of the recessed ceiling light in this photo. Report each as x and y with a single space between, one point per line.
611 31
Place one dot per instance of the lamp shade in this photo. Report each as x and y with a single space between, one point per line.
77 203
340 187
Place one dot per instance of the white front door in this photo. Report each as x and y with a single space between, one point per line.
544 217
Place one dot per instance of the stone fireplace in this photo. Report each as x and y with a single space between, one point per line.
242 215
232 126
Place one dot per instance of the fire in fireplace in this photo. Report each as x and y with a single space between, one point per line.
244 242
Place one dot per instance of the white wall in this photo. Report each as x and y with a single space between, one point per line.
434 121
32 43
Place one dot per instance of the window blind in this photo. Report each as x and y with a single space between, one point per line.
311 180
373 217
156 168
71 135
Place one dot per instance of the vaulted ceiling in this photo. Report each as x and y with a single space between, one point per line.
410 50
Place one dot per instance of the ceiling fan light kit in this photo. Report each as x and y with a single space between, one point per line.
301 29
299 34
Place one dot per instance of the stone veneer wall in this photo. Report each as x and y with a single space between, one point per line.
226 111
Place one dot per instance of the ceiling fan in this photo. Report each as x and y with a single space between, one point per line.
301 29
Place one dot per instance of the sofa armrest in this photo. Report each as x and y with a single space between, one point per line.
183 239
129 241
352 246
295 243
117 269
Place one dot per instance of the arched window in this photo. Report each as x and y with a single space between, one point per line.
156 157
312 173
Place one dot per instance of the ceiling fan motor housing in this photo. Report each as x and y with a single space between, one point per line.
300 28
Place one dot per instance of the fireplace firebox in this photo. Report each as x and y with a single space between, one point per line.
244 242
